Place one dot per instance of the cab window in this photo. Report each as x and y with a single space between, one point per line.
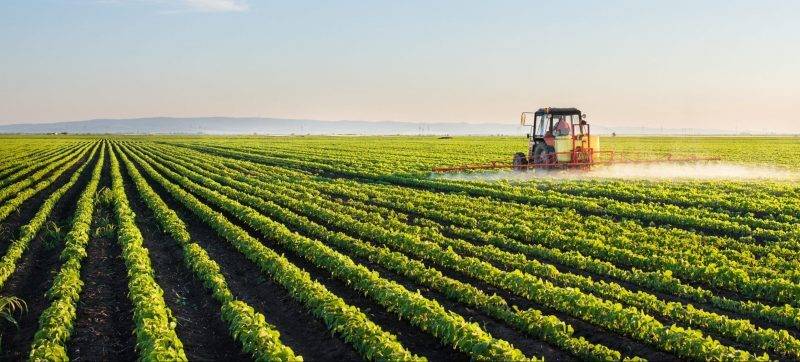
538 126
561 126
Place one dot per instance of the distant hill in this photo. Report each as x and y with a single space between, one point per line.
276 126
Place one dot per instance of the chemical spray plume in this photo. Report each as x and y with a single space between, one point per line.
653 171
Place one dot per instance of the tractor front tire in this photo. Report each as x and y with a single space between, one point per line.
520 162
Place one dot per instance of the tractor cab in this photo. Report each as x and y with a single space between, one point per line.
558 136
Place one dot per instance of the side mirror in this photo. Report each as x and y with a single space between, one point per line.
528 136
583 116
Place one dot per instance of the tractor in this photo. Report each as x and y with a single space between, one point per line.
560 138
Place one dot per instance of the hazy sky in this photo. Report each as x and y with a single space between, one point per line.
706 64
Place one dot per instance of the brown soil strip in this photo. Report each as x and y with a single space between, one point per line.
204 335
39 264
104 329
300 330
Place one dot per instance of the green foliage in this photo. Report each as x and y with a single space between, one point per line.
57 321
347 321
549 328
8 263
104 197
9 306
281 176
105 228
247 326
155 326
702 270
53 235
47 174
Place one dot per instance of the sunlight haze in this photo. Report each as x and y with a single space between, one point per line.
715 64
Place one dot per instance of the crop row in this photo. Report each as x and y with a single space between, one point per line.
531 321
451 329
17 167
9 261
679 341
547 242
765 206
57 321
735 329
718 195
246 325
441 209
737 280
154 324
706 265
22 168
655 240
762 260
342 319
692 218
546 247
555 231
741 208
22 193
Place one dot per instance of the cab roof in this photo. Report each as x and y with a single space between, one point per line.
558 111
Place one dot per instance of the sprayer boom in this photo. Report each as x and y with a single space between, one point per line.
560 138
500 165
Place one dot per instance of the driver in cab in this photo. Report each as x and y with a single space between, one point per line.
561 128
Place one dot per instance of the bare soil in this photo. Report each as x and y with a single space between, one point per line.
39 264
204 335
104 328
307 335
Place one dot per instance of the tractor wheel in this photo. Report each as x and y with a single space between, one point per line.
520 161
540 153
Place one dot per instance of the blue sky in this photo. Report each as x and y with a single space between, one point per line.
706 64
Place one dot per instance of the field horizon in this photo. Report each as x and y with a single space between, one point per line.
283 126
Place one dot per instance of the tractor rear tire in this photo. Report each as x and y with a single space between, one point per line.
541 153
520 162
544 155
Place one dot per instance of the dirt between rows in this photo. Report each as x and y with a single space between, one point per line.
39 263
595 334
496 328
104 328
342 175
306 334
200 328
625 345
633 288
636 288
9 228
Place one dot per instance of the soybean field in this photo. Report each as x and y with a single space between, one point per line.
348 248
